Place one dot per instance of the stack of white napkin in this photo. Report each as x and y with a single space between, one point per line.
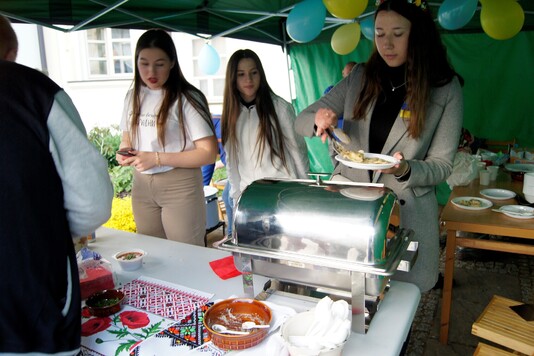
330 328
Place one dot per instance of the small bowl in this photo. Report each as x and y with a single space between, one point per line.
232 313
130 260
105 303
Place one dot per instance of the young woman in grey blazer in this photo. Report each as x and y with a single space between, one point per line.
406 101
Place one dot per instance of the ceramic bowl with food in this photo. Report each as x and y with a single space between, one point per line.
105 303
232 313
130 260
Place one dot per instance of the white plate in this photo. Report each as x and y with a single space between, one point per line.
519 167
485 203
370 166
497 194
362 193
514 211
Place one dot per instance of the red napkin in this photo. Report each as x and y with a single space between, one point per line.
225 267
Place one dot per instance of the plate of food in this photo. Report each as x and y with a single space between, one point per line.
369 161
472 203
518 167
497 194
517 211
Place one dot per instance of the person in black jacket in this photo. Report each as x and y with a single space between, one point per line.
53 185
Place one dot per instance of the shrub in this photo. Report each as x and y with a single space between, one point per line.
122 179
107 140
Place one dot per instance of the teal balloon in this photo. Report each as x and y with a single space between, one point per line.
209 60
367 27
306 20
455 14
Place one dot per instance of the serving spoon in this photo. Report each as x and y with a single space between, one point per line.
224 330
247 325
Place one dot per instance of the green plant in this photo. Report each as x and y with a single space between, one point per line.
107 141
219 174
122 179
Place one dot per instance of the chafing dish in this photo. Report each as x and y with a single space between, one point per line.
326 235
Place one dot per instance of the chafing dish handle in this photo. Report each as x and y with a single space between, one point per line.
409 257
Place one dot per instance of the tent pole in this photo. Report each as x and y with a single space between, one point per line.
286 50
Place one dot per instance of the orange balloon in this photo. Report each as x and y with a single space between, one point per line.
345 9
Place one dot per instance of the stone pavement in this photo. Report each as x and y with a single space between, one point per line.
478 275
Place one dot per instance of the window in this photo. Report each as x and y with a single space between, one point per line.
109 52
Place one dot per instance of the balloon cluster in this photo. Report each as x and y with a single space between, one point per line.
306 20
500 19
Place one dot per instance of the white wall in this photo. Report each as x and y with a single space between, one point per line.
100 102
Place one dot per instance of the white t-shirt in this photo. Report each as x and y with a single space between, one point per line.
147 134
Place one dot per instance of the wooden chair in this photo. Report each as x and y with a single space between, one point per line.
501 325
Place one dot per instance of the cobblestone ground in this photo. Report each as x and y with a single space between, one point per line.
428 313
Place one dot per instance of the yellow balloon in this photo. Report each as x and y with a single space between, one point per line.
345 9
346 38
501 19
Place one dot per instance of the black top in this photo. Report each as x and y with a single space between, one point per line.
35 239
387 108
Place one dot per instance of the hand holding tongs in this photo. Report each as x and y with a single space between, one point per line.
339 138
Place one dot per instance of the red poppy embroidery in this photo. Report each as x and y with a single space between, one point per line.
96 325
86 313
134 319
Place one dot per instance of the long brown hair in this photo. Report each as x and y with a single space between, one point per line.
270 132
426 66
175 87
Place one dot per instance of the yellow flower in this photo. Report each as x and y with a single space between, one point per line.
122 215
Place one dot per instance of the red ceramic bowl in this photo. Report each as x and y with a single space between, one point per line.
232 313
105 303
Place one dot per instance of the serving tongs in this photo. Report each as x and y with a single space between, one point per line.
339 138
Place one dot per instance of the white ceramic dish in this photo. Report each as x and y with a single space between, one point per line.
130 260
497 194
370 166
519 167
518 211
484 203
361 193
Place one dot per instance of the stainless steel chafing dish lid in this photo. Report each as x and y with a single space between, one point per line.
337 225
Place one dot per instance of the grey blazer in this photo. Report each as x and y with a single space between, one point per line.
431 158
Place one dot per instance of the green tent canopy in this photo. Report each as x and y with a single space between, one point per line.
499 75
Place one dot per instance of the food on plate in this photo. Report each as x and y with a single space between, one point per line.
470 202
359 157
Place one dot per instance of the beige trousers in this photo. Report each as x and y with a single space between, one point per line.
170 205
